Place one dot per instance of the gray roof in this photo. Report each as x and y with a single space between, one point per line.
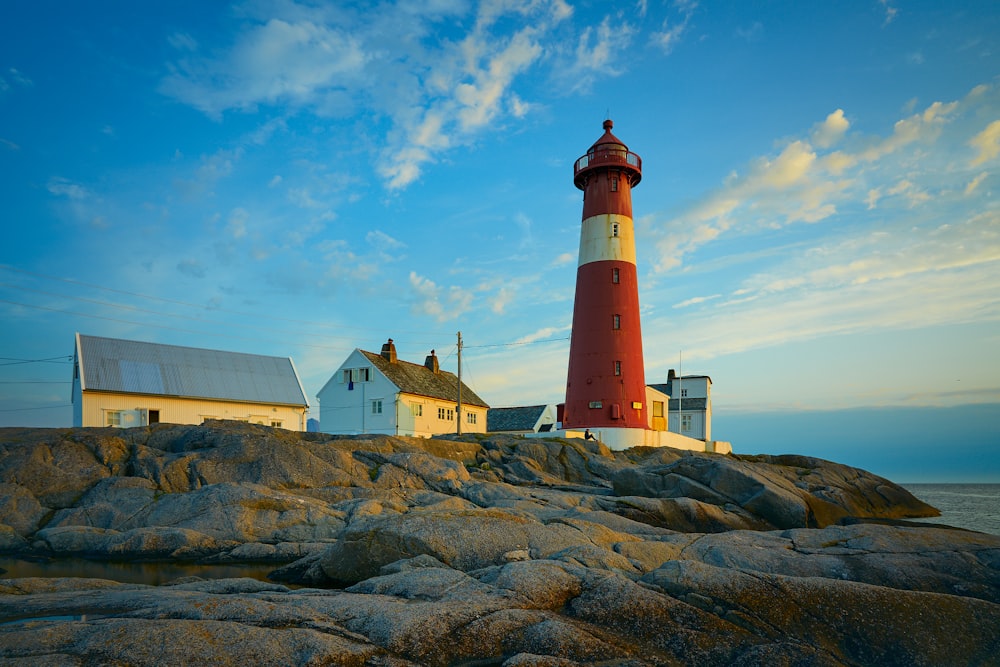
133 367
513 419
677 403
421 381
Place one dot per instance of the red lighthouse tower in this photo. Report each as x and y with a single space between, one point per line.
606 384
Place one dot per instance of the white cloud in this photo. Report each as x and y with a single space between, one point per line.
975 183
63 187
563 259
276 62
831 130
910 168
696 300
987 143
383 241
597 53
237 224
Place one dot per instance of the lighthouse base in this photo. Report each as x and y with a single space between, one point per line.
618 439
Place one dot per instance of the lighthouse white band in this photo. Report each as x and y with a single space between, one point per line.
607 236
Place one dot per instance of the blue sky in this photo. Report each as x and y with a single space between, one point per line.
817 222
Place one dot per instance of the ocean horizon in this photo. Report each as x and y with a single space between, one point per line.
969 506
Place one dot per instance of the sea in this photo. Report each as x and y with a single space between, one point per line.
970 506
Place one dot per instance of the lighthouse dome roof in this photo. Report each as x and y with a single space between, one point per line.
608 138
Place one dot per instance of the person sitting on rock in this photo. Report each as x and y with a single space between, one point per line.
587 435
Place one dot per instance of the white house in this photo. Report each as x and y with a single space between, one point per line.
526 419
690 411
131 383
380 393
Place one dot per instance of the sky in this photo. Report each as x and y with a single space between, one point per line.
817 223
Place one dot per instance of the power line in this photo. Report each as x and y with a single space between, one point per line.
47 407
526 342
36 382
14 361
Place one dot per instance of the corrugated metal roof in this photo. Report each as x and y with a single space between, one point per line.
422 381
134 367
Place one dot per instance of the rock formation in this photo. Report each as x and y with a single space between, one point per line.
494 550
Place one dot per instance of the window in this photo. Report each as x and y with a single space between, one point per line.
614 182
275 424
113 418
615 227
154 417
377 406
617 322
446 414
594 404
618 368
356 375
685 423
684 393
614 276
470 417
417 409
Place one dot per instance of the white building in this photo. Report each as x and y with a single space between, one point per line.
690 412
379 393
130 383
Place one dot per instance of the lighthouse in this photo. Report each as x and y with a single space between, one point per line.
606 384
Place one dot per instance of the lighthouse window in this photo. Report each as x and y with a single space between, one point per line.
617 321
614 229
618 368
614 276
614 183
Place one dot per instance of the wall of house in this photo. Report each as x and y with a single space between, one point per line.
429 423
348 408
656 423
94 408
698 424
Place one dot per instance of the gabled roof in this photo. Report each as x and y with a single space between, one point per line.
419 380
513 419
133 367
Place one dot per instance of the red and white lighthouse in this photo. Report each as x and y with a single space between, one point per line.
606 383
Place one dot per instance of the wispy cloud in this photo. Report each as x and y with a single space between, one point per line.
908 238
808 181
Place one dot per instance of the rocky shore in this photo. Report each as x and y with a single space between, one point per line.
481 550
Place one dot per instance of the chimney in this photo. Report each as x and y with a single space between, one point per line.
671 375
389 351
431 362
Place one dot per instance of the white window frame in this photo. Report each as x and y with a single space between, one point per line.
113 418
470 417
376 406
417 409
685 422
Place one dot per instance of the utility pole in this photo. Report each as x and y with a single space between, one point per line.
458 412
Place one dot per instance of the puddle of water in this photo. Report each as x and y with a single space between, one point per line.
151 573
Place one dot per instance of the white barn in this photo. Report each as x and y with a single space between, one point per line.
124 383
